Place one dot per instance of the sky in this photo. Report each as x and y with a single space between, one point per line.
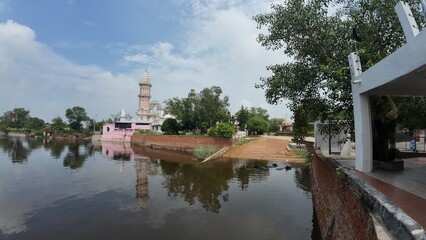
57 54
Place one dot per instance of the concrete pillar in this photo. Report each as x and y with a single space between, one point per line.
362 115
363 133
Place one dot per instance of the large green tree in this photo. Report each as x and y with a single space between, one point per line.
200 110
317 80
58 124
34 123
242 117
76 115
15 118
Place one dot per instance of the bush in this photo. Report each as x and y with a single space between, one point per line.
170 126
204 151
257 124
223 130
143 132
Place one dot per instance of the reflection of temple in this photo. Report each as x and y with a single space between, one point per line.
142 182
143 165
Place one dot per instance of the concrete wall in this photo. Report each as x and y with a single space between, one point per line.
345 205
179 143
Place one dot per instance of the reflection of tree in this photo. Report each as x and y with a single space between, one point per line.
56 149
301 177
74 159
243 176
197 183
15 149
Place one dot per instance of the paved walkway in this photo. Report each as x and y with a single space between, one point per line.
406 188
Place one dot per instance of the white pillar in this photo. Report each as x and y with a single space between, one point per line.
362 115
363 132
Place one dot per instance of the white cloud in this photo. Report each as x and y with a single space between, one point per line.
35 77
219 48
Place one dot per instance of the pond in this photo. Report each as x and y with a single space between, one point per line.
77 190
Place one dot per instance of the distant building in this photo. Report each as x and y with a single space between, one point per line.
286 125
149 116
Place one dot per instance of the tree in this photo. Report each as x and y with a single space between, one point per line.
258 111
15 118
257 125
317 80
75 116
223 130
58 124
200 111
170 126
34 123
242 117
274 124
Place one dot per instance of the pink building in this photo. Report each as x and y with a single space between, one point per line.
146 118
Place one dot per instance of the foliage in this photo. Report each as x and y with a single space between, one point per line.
76 115
204 151
274 124
303 153
170 126
143 132
257 125
242 117
317 80
15 118
258 111
199 110
34 123
58 124
223 130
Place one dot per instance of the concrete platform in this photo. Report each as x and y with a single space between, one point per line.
405 188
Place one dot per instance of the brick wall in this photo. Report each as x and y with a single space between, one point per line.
179 143
338 202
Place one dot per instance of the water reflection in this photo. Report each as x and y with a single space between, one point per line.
16 149
155 194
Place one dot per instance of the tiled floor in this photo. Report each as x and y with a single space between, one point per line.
406 188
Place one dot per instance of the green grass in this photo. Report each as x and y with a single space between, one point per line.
204 151
303 153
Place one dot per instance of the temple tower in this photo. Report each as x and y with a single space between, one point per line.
145 93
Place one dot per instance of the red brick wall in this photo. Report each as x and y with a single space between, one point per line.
338 203
179 143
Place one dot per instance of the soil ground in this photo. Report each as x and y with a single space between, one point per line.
264 148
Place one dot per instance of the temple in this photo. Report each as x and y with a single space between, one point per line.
149 116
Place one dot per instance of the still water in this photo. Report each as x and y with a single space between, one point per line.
76 190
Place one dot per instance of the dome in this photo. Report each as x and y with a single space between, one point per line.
287 122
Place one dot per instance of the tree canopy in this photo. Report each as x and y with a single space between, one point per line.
317 80
15 118
76 115
200 110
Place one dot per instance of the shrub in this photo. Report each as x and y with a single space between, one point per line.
145 132
170 126
223 130
204 151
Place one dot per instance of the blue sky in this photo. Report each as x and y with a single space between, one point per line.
56 54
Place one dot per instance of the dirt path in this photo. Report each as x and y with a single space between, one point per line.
264 148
